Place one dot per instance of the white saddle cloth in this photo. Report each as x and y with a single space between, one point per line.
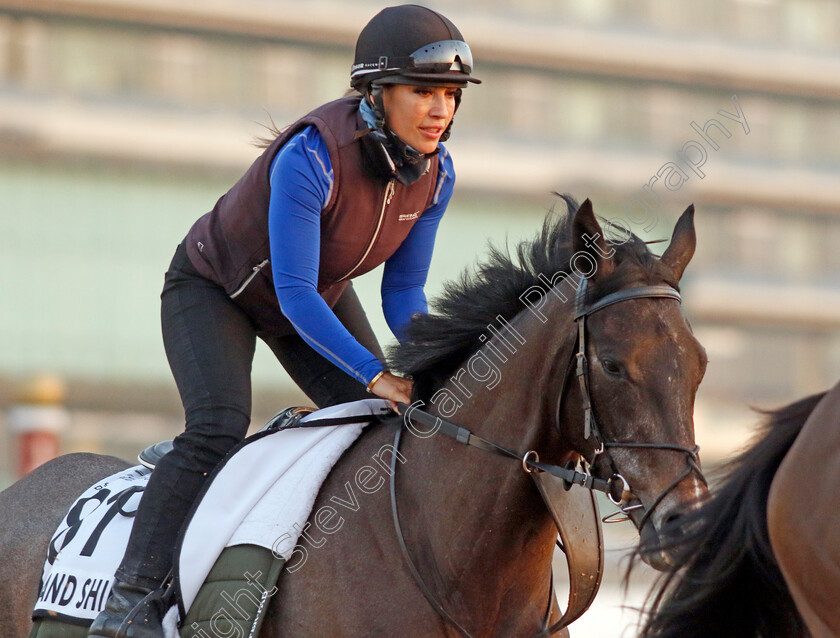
261 495
265 492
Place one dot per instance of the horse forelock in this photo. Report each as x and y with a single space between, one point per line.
442 340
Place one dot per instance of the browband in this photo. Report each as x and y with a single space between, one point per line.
582 310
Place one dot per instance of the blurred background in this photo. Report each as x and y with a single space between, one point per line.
121 122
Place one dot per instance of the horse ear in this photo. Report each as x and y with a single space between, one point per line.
589 239
683 242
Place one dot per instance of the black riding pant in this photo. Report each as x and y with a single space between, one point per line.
210 343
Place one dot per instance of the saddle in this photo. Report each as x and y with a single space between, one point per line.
288 418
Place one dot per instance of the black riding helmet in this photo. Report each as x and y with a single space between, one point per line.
406 44
410 44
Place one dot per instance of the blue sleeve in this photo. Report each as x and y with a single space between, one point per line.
406 271
301 185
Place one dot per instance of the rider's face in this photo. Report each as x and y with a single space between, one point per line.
419 115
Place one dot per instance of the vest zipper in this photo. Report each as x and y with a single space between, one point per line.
255 271
389 194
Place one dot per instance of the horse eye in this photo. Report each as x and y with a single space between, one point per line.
611 367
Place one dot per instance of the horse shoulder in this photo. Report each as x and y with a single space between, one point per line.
351 505
352 583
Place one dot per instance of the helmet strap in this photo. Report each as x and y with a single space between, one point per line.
375 93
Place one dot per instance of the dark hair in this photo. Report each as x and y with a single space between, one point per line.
275 131
440 341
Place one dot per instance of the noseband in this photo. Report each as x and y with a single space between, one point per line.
591 431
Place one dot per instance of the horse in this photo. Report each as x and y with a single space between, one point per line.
498 356
762 557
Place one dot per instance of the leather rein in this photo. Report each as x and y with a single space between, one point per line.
614 486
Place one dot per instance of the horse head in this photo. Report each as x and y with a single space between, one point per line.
638 369
575 349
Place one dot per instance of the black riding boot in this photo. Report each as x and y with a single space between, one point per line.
175 483
131 612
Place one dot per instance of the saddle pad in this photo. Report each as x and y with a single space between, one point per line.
262 495
81 557
89 544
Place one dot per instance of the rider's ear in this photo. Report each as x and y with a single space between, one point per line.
589 239
683 242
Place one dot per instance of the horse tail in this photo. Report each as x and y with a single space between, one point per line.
726 581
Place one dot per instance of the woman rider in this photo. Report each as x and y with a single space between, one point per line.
357 182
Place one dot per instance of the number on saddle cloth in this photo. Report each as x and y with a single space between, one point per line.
83 554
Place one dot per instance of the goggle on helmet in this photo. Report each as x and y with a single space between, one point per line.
410 44
447 61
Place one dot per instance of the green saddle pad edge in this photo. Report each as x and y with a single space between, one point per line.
235 595
51 628
232 601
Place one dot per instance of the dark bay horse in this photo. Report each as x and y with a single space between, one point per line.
763 554
499 358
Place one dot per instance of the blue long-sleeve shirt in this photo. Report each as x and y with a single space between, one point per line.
301 185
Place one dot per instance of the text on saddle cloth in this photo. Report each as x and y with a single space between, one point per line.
88 546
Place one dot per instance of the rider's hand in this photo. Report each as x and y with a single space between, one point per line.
395 389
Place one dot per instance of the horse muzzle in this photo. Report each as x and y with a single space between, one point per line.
663 527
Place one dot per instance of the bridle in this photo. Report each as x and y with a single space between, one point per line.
591 431
614 486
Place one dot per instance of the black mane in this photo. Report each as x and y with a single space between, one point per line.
443 339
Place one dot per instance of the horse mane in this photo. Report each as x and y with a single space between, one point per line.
728 582
442 340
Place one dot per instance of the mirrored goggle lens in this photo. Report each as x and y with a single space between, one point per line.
438 57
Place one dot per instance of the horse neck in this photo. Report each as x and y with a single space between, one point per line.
477 522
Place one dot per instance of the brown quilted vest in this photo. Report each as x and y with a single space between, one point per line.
362 225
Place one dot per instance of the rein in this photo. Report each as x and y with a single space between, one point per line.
462 435
614 487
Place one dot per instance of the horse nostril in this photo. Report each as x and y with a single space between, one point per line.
672 517
672 522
